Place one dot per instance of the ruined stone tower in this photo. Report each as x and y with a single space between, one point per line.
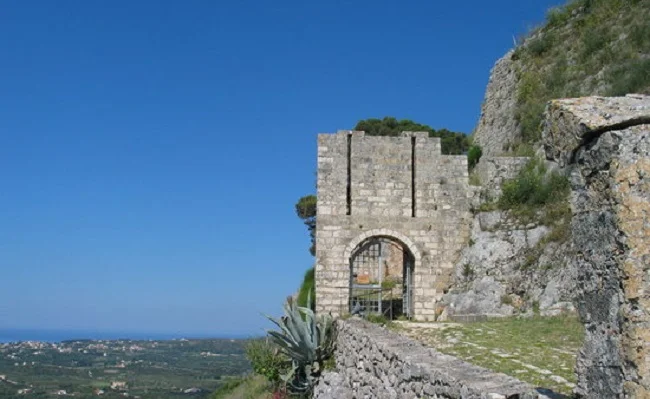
391 210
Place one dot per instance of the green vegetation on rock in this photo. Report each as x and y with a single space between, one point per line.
534 187
542 197
586 47
473 156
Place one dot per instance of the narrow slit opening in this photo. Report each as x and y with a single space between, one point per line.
348 188
413 203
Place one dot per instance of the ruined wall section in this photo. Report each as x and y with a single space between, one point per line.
604 143
366 186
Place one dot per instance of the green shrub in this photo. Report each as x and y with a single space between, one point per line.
541 44
632 79
557 79
307 292
529 107
557 16
593 41
473 155
640 35
267 360
534 187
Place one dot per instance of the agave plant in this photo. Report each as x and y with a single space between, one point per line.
307 339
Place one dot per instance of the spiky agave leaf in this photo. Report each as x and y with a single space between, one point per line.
307 340
295 338
302 328
311 324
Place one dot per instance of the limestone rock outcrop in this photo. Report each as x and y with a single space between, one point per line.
604 143
497 129
571 123
507 270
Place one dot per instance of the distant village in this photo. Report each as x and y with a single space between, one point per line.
106 362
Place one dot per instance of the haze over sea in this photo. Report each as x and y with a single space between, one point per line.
15 335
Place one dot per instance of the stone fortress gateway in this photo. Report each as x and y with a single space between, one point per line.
389 209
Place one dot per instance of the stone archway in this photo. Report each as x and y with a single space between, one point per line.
381 273
354 243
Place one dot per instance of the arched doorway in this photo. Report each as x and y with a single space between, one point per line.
381 278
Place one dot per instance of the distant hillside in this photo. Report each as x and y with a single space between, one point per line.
586 47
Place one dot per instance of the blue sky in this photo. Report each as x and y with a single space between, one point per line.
151 152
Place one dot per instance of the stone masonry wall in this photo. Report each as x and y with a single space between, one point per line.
372 362
382 184
604 143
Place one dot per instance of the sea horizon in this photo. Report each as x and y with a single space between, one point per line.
57 335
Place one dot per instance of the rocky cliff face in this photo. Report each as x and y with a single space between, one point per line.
604 143
585 48
510 269
497 128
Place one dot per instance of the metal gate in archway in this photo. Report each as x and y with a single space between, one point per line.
381 278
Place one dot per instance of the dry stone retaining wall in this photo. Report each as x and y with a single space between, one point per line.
372 362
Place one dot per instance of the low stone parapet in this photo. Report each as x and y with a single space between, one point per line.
373 362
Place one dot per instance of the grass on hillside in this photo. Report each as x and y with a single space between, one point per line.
251 387
587 47
538 350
